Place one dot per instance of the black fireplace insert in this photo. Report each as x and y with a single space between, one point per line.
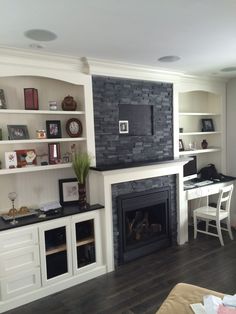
143 223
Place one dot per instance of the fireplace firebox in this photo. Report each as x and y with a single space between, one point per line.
143 223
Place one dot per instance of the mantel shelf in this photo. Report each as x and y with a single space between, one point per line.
54 112
200 151
198 133
199 114
35 168
46 140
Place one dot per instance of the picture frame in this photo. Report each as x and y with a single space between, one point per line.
26 158
123 126
68 191
181 145
2 100
17 132
53 128
207 125
10 160
54 153
31 99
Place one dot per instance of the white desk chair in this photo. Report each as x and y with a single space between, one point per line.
208 213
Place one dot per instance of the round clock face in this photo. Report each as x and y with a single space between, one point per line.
74 127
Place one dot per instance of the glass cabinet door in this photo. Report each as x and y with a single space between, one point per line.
55 252
86 241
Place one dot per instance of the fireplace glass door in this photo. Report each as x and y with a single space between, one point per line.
144 222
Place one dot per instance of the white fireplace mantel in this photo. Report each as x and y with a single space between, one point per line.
100 183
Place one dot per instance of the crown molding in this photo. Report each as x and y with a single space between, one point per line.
24 57
126 70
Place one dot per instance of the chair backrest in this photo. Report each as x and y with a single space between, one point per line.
224 198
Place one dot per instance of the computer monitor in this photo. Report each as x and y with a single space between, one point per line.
190 169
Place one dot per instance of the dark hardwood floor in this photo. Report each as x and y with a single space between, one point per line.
142 285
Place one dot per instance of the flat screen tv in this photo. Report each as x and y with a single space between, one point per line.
190 169
139 117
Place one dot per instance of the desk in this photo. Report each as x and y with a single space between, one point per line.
206 190
201 194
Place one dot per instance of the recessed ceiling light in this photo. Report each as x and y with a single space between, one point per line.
169 59
229 69
40 35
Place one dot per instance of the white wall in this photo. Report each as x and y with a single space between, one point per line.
230 136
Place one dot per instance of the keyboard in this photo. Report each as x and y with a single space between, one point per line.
203 183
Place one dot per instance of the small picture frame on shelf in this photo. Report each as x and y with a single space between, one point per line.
181 145
31 99
54 153
68 191
123 126
26 158
53 128
2 100
207 125
17 132
74 127
10 160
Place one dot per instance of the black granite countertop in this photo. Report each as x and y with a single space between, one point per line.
63 212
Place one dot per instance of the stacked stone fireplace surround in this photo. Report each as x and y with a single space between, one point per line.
114 149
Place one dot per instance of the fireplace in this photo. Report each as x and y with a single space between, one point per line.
143 223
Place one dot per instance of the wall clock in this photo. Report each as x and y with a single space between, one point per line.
74 127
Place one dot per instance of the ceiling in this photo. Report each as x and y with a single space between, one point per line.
201 32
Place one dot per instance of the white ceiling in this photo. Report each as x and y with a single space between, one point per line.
201 32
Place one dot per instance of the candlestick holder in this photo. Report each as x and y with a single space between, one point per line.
12 196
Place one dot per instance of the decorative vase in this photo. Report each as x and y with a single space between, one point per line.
204 144
69 104
82 195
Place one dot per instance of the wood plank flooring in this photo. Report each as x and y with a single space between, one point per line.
139 287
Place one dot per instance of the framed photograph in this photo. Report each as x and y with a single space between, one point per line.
31 99
68 191
18 132
74 127
207 125
10 160
123 126
26 157
181 145
53 128
54 153
2 100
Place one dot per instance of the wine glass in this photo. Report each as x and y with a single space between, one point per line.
12 196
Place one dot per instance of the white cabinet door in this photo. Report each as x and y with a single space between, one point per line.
55 250
20 283
86 241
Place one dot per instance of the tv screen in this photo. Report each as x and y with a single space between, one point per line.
139 117
190 169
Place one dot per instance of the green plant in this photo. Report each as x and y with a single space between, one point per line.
81 163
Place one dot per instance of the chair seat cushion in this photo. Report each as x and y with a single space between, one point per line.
209 212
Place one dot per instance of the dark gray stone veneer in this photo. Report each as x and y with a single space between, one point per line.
113 148
139 186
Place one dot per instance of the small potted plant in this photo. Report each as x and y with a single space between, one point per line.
81 163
